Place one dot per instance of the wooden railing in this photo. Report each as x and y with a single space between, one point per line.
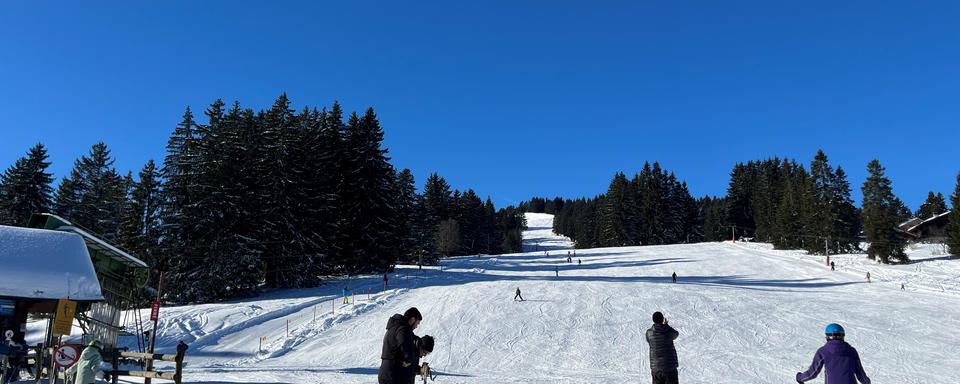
175 376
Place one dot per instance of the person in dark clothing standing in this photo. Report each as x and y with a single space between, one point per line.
423 346
399 352
518 295
663 355
674 277
842 361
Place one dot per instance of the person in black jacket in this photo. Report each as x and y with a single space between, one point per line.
663 355
398 349
423 346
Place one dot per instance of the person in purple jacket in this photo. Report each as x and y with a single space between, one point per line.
842 361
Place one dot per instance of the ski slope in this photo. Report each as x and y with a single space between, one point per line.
746 314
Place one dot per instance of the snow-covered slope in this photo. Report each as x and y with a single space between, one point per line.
746 314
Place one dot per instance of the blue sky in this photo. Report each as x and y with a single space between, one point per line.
513 99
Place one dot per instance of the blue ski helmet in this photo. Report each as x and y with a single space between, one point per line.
834 329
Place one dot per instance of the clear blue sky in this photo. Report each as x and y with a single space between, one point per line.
513 99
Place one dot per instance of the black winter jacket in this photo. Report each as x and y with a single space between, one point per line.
663 355
397 349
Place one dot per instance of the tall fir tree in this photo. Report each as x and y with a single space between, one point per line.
617 216
437 197
368 191
934 205
406 205
880 216
823 215
26 188
846 229
953 224
94 195
140 227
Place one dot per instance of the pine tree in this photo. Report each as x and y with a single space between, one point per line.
824 213
140 228
425 232
406 205
953 225
179 252
470 222
934 205
616 221
437 197
846 230
25 188
740 195
880 216
368 191
94 195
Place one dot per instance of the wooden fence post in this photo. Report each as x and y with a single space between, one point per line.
116 366
179 360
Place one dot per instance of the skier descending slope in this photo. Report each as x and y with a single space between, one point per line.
842 361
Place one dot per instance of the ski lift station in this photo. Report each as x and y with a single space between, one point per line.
54 265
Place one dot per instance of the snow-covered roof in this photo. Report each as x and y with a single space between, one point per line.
932 218
51 221
910 223
97 243
44 264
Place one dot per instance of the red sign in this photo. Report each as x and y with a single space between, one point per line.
66 356
154 310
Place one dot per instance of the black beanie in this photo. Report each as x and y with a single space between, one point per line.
426 343
413 312
658 318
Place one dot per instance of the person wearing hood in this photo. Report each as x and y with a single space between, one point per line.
663 354
423 346
399 353
89 364
840 359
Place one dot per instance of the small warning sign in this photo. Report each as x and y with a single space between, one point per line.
66 356
154 310
63 321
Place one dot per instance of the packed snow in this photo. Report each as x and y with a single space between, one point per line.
746 314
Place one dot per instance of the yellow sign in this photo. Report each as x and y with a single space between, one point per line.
63 321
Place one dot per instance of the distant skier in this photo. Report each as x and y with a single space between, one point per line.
663 354
579 261
557 270
398 353
832 266
89 364
868 277
903 287
517 295
841 360
385 281
674 277
346 296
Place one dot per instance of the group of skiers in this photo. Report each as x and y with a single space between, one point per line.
402 349
841 361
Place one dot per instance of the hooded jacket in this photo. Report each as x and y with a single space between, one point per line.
842 362
663 355
397 349
87 367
